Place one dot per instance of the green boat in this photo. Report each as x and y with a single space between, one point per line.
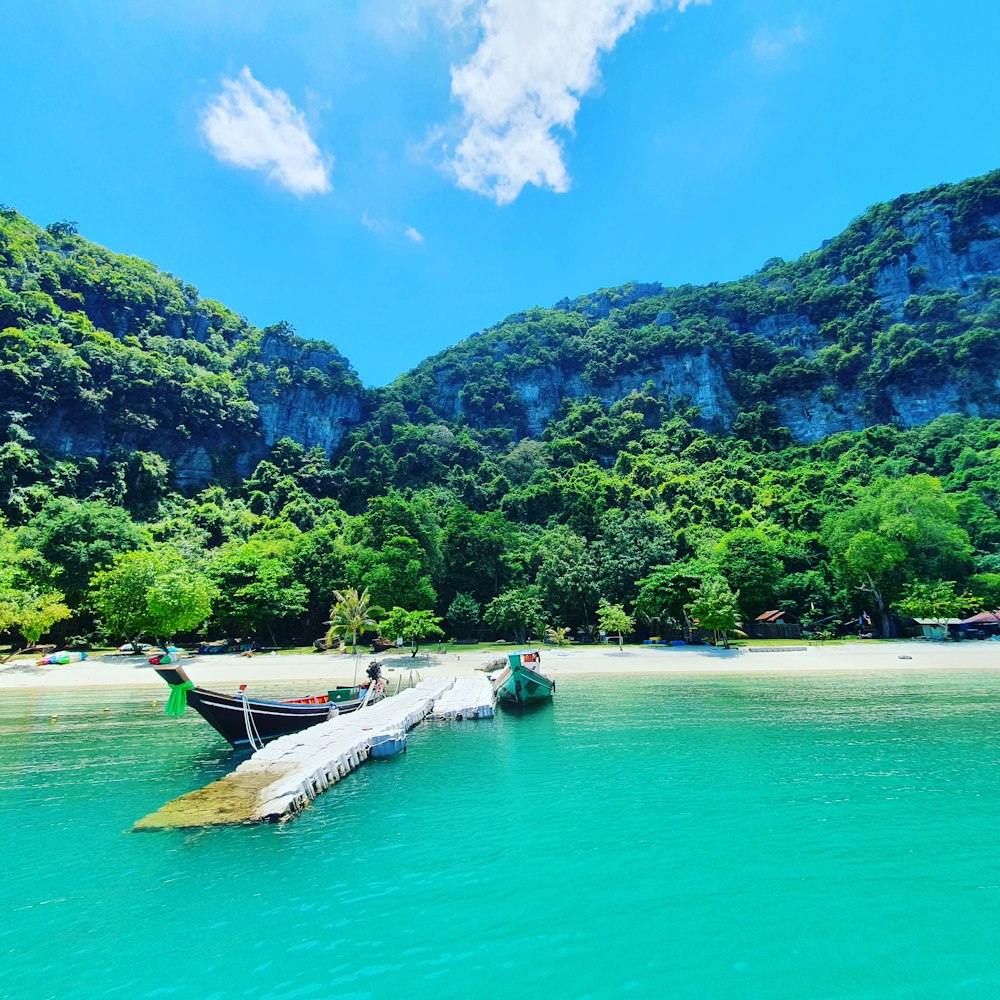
520 682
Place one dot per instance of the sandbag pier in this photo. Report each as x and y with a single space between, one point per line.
282 778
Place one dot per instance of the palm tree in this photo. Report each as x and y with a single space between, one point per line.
351 615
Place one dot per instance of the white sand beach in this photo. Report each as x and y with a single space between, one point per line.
322 669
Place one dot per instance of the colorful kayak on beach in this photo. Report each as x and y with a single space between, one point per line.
60 657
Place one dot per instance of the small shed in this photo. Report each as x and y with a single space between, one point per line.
986 623
774 625
937 628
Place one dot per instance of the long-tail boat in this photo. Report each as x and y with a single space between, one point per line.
246 721
520 682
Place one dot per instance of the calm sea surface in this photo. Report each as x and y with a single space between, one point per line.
765 836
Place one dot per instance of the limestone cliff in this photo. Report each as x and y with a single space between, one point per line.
887 322
103 355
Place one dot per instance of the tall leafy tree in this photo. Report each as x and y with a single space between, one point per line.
395 515
463 615
473 548
897 531
411 627
518 612
319 560
72 537
749 559
257 585
352 614
394 573
714 606
936 600
26 609
566 575
614 620
151 592
630 542
665 593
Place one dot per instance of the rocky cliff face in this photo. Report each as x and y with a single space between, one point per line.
933 263
103 355
307 417
889 321
881 324
692 380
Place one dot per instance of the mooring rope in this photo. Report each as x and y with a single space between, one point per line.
254 737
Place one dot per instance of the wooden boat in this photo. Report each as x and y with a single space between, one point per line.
246 721
520 682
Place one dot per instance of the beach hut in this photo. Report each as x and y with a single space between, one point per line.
937 628
986 623
774 625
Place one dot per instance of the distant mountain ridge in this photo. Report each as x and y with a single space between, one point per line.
104 357
887 322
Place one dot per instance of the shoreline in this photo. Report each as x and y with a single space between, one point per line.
320 670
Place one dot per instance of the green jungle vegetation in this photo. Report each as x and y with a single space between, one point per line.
445 512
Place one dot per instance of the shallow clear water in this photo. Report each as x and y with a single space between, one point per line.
768 836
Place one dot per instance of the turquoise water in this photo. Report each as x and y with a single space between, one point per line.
824 836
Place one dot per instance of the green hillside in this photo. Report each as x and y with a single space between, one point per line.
820 436
109 367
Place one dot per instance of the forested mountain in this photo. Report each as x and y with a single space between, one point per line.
105 361
885 323
822 435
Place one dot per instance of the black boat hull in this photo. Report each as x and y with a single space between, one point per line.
251 722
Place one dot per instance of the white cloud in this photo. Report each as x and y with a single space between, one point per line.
251 126
525 81
772 45
378 226
386 229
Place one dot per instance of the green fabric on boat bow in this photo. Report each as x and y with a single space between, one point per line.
177 701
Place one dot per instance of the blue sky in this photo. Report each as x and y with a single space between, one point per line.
393 175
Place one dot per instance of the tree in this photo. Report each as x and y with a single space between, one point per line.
352 614
318 561
897 531
748 559
30 613
614 619
938 601
25 608
473 546
62 229
38 613
987 585
395 516
394 574
73 536
566 576
630 543
257 586
518 611
411 626
666 592
463 614
714 606
155 592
